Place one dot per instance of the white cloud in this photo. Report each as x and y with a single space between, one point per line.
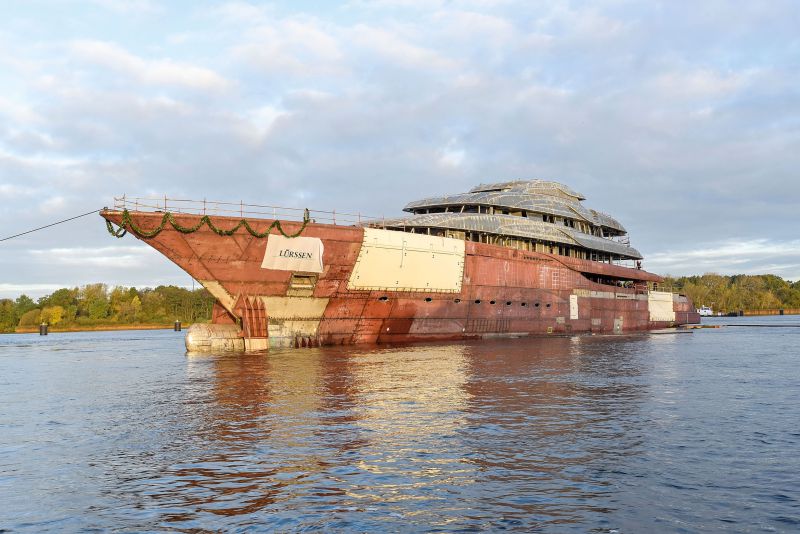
129 6
32 289
753 256
239 13
677 122
451 155
52 204
399 51
114 256
14 191
19 112
155 72
290 48
699 83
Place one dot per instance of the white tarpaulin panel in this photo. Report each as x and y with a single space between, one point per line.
399 261
660 304
293 254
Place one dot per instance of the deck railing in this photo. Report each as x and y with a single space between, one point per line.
240 209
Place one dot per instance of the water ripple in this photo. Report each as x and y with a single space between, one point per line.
603 434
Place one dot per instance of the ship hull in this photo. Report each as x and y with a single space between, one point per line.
378 286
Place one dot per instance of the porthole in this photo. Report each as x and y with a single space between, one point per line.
457 301
537 304
477 301
492 302
428 299
508 303
523 304
548 304
383 298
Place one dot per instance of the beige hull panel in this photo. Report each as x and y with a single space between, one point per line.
660 305
398 261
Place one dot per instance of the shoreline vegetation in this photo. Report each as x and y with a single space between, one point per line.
96 307
750 294
102 328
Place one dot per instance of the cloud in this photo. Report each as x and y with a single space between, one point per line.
703 83
13 191
289 48
397 50
129 6
238 12
677 122
114 256
15 290
51 204
452 155
754 256
154 72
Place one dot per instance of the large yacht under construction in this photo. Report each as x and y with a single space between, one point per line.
517 258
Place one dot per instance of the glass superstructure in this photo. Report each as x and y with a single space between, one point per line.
534 215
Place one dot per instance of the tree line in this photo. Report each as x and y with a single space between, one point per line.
98 305
738 292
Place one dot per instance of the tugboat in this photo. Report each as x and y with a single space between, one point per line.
516 258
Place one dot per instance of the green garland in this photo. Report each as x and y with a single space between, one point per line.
127 222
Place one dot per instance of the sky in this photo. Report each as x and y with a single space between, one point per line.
680 119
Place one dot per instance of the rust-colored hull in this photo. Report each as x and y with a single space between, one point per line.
505 292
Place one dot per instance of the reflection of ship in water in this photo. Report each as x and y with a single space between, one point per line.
533 422
259 409
565 411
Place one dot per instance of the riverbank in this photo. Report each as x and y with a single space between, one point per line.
98 328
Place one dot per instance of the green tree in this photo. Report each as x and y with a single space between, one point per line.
136 306
93 301
153 307
63 297
119 302
30 318
52 315
24 304
739 292
8 315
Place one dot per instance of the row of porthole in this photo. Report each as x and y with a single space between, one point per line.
477 301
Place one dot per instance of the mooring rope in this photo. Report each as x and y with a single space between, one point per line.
49 225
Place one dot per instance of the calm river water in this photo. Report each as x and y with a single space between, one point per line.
657 432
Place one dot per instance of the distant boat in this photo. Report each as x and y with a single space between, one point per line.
705 311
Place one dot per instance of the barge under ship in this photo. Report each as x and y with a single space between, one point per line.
517 258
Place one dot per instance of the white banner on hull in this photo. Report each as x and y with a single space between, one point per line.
293 254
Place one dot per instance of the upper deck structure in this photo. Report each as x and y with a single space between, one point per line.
535 215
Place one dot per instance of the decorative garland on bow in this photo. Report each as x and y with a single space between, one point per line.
128 223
